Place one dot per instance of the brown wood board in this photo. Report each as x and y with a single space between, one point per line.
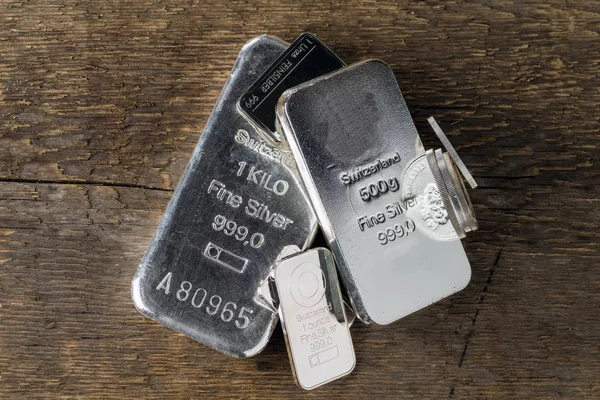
101 105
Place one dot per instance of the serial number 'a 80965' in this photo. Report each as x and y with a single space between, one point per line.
198 299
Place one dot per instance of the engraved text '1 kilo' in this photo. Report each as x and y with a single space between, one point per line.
236 207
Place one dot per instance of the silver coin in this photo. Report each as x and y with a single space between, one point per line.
430 216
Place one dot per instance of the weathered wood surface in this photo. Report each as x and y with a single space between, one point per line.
101 104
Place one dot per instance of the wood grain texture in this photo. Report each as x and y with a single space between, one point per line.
101 104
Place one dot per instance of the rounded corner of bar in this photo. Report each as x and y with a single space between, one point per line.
307 33
283 100
281 109
382 321
465 279
462 276
257 40
378 63
349 371
239 356
262 342
260 346
305 386
252 352
138 298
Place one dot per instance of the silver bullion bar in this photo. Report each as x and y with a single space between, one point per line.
312 315
363 164
238 204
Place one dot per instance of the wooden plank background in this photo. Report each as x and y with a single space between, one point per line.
101 105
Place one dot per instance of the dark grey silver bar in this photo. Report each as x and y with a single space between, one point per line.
236 207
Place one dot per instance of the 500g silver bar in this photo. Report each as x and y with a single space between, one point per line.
387 220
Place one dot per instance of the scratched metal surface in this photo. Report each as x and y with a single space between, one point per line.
236 207
101 106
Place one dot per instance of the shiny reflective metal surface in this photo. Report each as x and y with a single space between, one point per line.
452 191
453 154
374 193
306 58
313 318
236 207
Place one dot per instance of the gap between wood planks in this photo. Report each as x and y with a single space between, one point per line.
83 182
136 186
476 314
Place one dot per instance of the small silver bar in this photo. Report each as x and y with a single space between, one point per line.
313 318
